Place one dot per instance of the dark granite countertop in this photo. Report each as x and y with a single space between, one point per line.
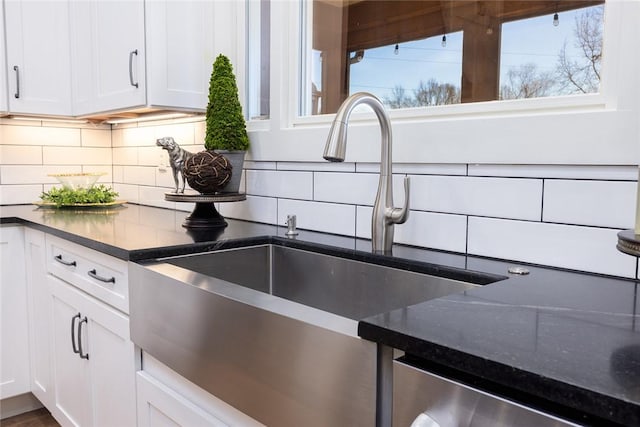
562 341
565 342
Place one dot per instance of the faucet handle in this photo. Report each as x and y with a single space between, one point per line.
400 215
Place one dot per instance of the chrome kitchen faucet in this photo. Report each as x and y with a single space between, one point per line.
384 214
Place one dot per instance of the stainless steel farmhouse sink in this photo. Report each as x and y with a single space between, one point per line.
272 330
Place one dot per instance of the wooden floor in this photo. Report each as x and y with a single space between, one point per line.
38 418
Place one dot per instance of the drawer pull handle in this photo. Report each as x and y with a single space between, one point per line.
95 275
86 355
73 333
63 262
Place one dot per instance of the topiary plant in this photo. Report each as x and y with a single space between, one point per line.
225 125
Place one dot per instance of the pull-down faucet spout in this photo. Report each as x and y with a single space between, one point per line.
384 214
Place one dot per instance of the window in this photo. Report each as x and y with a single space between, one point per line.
550 55
258 72
424 53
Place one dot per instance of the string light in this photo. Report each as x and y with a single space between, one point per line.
444 40
396 50
556 20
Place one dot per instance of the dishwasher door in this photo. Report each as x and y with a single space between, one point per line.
422 399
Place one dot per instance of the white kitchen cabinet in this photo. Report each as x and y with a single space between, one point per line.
180 51
167 399
4 106
14 333
158 405
92 357
39 317
107 55
112 56
94 360
133 54
38 68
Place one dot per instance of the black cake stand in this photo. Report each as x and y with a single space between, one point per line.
629 242
204 215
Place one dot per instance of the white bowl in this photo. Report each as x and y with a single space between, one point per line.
76 181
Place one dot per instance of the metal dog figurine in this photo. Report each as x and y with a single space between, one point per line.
177 157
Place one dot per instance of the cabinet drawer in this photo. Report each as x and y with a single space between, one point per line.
100 275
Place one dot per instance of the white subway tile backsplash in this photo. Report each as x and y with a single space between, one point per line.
41 136
567 246
294 185
20 194
338 197
136 137
353 188
182 133
599 203
426 229
194 148
260 209
140 175
416 169
249 164
76 155
493 197
326 217
34 174
125 156
117 136
164 178
20 155
128 192
96 137
106 170
317 166
199 131
152 156
624 173
154 196
118 174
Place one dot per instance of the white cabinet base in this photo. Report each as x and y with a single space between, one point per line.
167 399
14 330
94 360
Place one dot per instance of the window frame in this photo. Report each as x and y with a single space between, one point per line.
576 129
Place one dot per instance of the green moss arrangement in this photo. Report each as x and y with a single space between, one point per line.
98 194
225 127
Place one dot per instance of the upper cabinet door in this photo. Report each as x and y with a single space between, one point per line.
108 55
38 69
180 53
4 106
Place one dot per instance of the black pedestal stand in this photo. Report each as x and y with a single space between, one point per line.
205 215
629 242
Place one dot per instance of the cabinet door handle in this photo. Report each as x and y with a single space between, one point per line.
133 52
73 333
86 355
17 70
63 262
95 275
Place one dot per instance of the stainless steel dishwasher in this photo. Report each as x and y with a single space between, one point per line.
424 399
